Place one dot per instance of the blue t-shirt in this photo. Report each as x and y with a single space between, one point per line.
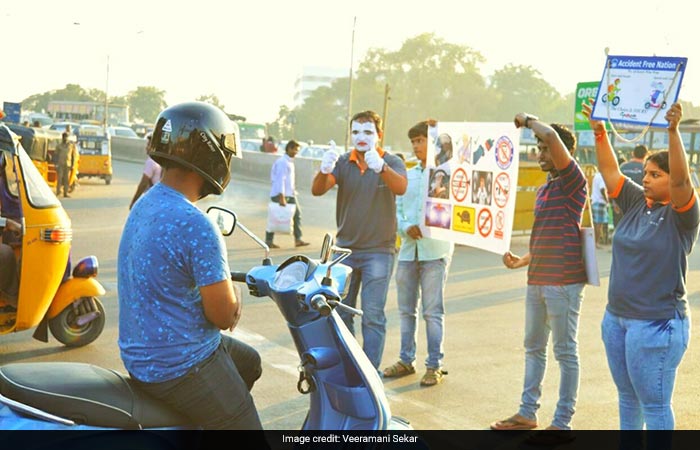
169 248
650 255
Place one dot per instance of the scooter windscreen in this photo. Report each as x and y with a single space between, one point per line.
293 272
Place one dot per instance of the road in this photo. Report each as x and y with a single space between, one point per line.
484 324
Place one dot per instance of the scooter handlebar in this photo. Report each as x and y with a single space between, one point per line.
239 276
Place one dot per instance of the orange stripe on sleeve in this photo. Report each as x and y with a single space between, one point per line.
616 192
688 205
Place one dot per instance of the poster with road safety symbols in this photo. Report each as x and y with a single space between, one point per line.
472 171
638 90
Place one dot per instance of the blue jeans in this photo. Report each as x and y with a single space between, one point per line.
643 356
555 310
424 280
372 271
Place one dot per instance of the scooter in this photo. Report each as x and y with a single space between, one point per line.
345 391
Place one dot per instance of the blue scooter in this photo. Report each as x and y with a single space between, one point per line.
345 391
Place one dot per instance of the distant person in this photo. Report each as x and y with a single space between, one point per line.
634 168
599 208
368 180
25 123
269 145
151 174
616 211
36 124
65 157
283 191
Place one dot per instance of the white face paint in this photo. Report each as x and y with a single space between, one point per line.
364 135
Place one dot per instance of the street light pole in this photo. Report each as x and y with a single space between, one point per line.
106 115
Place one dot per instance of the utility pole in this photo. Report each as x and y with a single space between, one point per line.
386 112
106 123
347 121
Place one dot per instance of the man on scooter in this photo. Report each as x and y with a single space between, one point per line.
175 291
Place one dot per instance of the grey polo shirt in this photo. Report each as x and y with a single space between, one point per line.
650 255
365 207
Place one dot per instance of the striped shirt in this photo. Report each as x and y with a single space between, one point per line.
555 242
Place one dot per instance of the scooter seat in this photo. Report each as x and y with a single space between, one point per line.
85 394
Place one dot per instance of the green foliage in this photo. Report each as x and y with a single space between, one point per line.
146 102
213 99
426 78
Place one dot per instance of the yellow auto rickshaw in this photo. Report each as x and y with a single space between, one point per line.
40 144
95 149
51 295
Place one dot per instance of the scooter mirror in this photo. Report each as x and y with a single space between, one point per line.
224 219
326 248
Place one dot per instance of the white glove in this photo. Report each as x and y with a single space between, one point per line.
328 161
374 161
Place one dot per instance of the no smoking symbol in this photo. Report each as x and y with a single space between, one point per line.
501 189
504 152
485 222
460 183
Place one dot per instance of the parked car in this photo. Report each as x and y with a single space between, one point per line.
61 126
252 145
314 151
122 132
141 129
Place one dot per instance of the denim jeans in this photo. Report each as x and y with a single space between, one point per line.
270 237
643 356
215 394
373 272
424 280
555 310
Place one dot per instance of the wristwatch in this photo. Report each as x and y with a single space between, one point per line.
528 118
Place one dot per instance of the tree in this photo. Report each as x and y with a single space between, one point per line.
72 92
427 77
211 98
522 88
146 102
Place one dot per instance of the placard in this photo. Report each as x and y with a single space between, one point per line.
638 90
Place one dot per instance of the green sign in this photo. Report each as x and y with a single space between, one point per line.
584 91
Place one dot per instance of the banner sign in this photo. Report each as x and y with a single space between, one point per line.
471 179
584 91
638 90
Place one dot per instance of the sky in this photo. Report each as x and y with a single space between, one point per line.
249 52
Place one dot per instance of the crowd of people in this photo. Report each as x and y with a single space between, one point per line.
646 325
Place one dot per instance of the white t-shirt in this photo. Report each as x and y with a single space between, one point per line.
598 184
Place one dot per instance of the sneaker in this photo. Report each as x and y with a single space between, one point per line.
273 245
300 243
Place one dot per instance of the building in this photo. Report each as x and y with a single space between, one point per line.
314 77
77 111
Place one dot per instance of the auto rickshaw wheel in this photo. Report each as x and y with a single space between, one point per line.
66 329
108 180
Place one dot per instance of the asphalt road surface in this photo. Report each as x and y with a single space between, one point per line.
484 324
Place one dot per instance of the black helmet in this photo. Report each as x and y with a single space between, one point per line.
198 136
